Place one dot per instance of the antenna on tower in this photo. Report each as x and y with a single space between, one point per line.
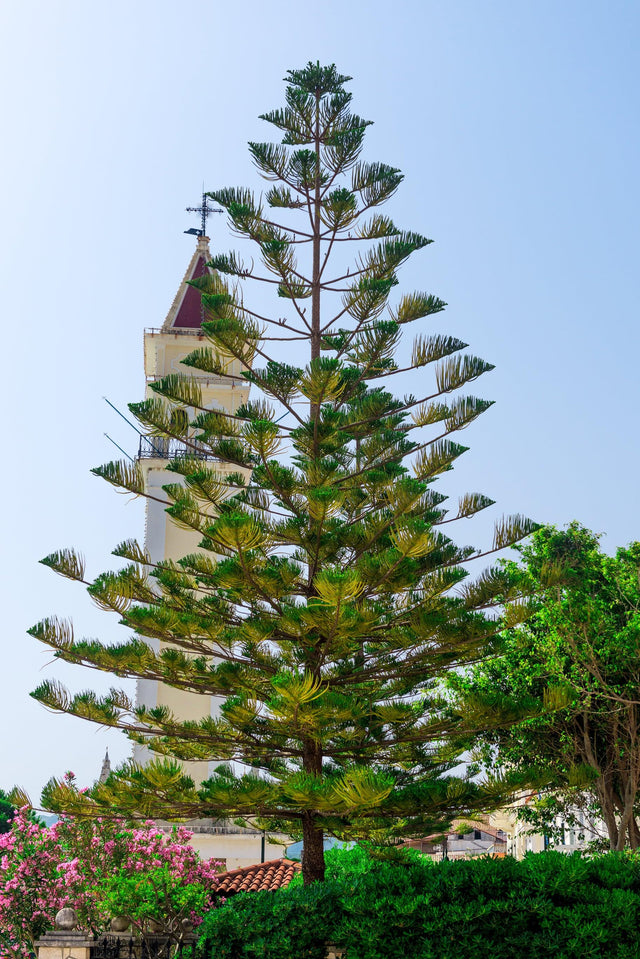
204 210
133 426
120 448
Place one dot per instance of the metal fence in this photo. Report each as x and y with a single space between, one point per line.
160 447
126 947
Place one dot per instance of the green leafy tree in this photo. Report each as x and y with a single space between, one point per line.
325 604
576 665
7 812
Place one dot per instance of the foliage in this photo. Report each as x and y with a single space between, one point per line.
324 604
160 900
549 904
577 663
273 924
7 812
102 869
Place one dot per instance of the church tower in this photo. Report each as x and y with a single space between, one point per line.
164 349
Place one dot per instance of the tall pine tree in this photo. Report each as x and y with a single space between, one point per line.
325 604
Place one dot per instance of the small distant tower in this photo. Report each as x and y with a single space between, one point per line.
164 349
106 768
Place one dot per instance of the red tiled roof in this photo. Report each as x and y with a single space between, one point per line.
265 876
463 826
459 826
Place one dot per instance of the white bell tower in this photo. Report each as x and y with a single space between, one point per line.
164 349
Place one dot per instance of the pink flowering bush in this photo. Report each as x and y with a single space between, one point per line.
138 872
102 869
32 888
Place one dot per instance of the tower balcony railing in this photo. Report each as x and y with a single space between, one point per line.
204 379
163 448
175 331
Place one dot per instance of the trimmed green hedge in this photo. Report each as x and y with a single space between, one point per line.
549 905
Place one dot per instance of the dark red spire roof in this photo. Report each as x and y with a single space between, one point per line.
189 313
186 312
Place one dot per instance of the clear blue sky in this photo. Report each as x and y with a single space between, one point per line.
516 125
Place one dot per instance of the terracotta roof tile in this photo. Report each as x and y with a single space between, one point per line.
271 875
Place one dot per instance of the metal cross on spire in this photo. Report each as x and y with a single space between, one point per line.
204 210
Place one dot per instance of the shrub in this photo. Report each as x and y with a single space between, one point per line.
103 869
283 924
548 905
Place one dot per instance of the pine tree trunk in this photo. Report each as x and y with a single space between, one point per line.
312 851
313 838
317 226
